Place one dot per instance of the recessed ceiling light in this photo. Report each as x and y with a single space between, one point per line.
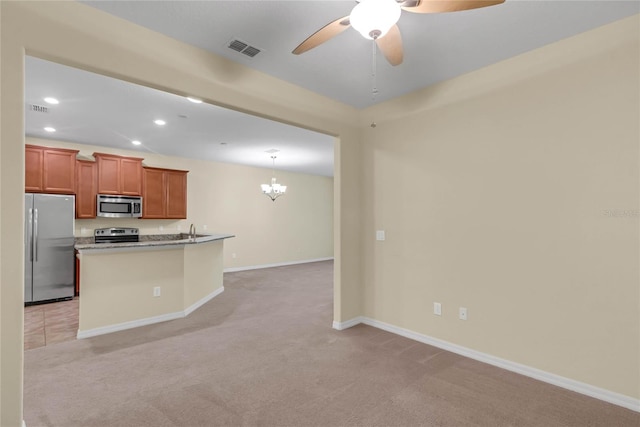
194 100
51 100
160 122
136 142
50 129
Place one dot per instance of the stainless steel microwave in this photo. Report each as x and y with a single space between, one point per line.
119 206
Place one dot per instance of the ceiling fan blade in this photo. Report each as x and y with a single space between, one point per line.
323 34
441 6
391 46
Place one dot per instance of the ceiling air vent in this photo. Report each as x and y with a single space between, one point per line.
243 48
38 108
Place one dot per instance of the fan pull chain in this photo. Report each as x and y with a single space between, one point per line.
374 89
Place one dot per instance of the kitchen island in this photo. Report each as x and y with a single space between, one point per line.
159 278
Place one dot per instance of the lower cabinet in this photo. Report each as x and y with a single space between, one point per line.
75 255
164 193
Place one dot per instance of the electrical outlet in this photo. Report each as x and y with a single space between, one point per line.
233 255
380 235
437 309
156 291
463 313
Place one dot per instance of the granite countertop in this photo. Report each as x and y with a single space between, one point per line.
84 243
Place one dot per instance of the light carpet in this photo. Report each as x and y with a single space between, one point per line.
263 353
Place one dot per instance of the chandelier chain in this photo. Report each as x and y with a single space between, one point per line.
374 88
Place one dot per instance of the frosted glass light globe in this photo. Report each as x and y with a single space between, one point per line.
374 18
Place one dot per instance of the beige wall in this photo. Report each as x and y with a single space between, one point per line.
226 198
499 204
117 286
74 34
202 271
514 192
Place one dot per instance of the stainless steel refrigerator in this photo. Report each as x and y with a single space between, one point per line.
49 247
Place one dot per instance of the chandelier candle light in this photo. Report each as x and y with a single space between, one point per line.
273 190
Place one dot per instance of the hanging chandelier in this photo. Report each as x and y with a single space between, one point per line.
273 190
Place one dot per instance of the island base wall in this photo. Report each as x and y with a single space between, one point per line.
120 286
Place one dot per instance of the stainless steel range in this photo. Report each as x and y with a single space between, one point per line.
116 235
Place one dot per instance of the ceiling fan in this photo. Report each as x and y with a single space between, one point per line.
376 20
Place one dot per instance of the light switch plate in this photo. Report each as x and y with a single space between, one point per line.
380 235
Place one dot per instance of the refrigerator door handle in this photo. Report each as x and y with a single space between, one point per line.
35 234
30 231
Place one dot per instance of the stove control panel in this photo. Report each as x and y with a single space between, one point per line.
114 231
116 235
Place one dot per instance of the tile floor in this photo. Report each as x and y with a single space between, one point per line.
47 324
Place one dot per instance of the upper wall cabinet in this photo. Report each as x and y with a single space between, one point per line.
119 174
86 189
164 194
50 170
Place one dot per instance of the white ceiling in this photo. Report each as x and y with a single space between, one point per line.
437 47
100 110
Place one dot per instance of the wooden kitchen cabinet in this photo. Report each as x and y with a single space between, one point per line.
33 169
154 200
131 176
164 194
176 183
119 174
86 189
50 170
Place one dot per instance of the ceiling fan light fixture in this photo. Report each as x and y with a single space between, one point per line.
374 18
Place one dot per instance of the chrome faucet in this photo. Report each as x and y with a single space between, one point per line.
192 231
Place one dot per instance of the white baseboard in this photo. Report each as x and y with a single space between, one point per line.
348 324
149 320
129 325
193 307
547 377
279 264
